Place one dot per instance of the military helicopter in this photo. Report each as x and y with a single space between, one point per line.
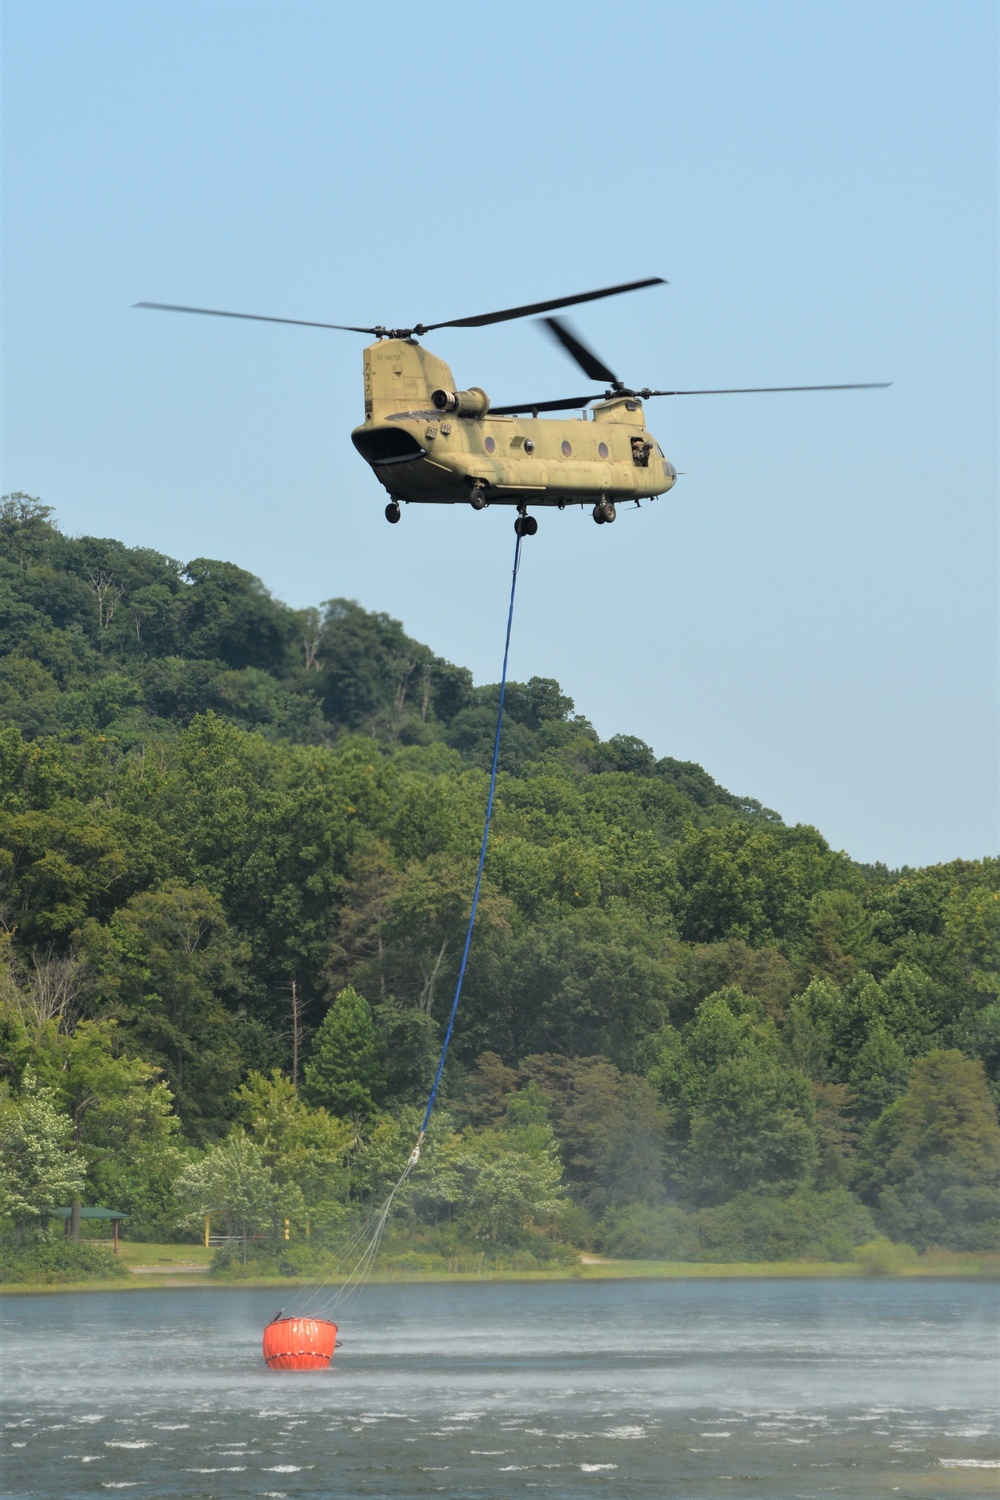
427 442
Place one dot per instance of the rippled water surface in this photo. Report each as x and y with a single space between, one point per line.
753 1389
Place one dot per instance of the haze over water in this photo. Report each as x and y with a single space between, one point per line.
756 1389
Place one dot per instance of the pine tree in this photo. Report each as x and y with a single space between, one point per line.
344 1072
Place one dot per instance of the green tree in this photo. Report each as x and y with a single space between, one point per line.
304 1149
753 1127
231 616
511 1177
230 1179
726 1025
837 942
748 1120
902 1004
488 1086
39 1169
750 881
344 1072
425 927
972 929
611 1128
879 1071
25 530
123 1122
587 983
432 1188
808 1035
930 1165
836 1134
735 884
168 964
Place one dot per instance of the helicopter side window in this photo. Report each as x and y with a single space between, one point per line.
640 452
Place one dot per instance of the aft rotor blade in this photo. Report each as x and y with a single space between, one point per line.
754 390
577 349
572 403
215 312
530 308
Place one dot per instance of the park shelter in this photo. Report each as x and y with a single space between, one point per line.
113 1214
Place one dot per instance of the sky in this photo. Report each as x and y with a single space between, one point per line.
811 613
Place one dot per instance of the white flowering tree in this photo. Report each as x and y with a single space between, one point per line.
230 1179
39 1169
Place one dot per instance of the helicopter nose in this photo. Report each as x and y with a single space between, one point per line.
671 471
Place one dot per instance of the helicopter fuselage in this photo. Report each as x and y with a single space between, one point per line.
429 443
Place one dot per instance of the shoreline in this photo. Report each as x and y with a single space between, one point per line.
977 1268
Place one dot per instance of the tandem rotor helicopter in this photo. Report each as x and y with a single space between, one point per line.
428 442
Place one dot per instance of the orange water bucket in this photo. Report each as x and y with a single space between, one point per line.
299 1343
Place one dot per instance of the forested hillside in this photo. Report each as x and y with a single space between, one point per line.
237 846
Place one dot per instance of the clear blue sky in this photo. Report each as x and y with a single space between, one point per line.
812 612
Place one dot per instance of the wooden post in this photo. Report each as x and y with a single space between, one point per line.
114 1226
208 1229
74 1222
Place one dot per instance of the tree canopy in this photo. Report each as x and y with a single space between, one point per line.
237 846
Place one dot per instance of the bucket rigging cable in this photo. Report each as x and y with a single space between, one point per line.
361 1249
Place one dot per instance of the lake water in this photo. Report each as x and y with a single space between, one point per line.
753 1389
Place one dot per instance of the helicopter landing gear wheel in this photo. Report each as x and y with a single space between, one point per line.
478 499
392 512
525 525
604 512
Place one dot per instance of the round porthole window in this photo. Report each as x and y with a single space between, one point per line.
529 446
490 445
567 449
602 449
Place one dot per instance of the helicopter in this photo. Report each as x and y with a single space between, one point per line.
429 442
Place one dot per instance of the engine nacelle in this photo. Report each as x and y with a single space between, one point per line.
473 403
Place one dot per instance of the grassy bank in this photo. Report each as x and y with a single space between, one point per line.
166 1266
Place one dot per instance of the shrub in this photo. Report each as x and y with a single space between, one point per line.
54 1261
764 1226
880 1257
641 1232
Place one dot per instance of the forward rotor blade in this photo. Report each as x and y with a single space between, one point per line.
754 390
530 308
214 312
577 349
572 403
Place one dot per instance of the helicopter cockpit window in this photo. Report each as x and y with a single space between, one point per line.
640 452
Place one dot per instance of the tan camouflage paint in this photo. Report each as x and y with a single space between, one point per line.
528 465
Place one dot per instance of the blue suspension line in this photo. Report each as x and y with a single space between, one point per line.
371 1234
482 851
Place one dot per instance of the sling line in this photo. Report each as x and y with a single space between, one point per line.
482 851
372 1229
